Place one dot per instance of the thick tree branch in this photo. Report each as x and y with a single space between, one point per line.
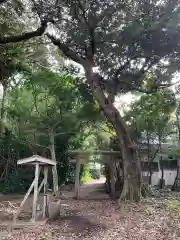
24 36
66 50
83 11
92 48
120 69
155 87
110 112
146 66
93 43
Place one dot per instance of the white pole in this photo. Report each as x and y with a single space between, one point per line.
45 196
35 192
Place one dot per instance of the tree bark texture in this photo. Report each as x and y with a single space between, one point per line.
150 173
2 114
162 175
107 174
54 168
148 155
131 163
177 178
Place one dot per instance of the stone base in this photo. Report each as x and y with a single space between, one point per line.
54 209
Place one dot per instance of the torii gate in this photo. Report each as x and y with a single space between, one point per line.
83 157
40 163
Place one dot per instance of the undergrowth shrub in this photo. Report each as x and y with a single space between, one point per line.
85 175
18 181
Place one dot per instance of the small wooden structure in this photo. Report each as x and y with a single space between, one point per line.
104 157
40 163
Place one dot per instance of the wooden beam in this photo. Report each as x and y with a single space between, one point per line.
41 185
77 183
35 192
24 200
45 211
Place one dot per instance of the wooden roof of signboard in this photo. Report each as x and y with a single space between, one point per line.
36 159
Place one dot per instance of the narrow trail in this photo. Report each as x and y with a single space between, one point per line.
94 190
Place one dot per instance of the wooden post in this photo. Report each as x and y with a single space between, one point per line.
45 196
35 192
113 192
77 184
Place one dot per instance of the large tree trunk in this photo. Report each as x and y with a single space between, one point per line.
131 164
162 175
176 186
2 113
107 174
162 182
149 158
177 178
132 175
54 168
150 172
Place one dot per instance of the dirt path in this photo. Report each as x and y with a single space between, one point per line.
102 219
94 190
